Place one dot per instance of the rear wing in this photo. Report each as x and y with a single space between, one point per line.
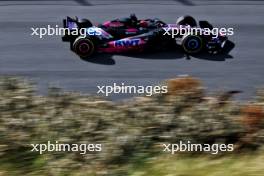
73 24
70 22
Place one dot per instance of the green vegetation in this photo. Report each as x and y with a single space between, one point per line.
131 132
250 164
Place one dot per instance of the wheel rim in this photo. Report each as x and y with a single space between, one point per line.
192 44
84 48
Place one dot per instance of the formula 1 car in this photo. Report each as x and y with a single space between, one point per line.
134 35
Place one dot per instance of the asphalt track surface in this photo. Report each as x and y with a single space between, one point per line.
49 61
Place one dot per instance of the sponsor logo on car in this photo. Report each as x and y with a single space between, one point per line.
127 42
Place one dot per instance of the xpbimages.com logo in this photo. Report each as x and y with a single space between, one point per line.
58 31
60 147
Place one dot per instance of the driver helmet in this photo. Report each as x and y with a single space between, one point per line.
134 19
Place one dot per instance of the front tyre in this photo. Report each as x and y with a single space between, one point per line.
83 47
192 44
186 20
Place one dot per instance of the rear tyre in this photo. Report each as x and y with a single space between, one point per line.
83 47
186 20
192 44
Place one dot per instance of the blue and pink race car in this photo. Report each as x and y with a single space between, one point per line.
125 35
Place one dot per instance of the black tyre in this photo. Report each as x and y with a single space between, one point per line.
85 23
192 44
186 20
84 47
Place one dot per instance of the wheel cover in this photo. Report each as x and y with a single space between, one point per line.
84 47
192 44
